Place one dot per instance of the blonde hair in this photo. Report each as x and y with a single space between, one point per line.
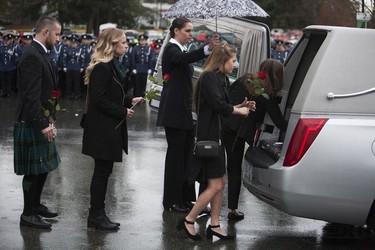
220 54
104 49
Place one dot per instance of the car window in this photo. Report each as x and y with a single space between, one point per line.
201 36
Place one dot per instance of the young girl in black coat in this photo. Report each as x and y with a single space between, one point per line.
238 130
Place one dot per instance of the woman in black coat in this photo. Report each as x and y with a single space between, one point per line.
109 105
175 112
237 130
212 102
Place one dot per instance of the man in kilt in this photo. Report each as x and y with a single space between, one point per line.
35 153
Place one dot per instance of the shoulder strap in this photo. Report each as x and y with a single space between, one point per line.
198 104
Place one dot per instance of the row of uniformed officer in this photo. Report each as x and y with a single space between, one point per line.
10 53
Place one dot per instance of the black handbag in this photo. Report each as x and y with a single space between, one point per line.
206 149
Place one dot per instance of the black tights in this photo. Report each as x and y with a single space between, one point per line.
99 181
32 186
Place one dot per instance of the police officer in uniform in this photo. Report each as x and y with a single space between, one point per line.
1 38
8 66
279 53
61 49
155 57
73 67
125 64
27 38
86 57
141 64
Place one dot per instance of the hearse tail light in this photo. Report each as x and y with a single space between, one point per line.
304 135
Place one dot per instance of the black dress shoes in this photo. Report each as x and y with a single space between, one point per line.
44 212
177 208
235 216
34 221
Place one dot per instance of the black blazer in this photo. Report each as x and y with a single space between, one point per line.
176 98
213 102
108 103
249 125
35 81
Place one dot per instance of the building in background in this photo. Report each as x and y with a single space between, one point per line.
158 9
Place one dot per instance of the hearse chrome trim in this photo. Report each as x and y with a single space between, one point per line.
331 95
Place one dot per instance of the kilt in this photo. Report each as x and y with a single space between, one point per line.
33 154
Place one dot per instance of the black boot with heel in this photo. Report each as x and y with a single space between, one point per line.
99 220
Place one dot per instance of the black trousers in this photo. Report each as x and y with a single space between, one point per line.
32 186
62 82
99 182
73 83
8 82
140 84
177 190
235 151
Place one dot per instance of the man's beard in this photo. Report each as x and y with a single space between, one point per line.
49 44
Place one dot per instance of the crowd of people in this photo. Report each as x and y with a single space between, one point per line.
70 58
227 114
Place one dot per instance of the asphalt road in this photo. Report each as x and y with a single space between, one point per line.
134 199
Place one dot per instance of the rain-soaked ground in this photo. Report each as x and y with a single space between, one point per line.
134 199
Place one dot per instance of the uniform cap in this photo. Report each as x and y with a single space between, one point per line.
288 43
9 36
75 36
27 36
142 37
159 41
86 36
279 42
64 37
157 46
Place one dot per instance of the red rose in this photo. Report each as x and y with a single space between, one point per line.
262 75
55 93
166 77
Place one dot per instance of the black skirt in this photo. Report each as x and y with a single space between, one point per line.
201 170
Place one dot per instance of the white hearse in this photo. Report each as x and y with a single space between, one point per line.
323 167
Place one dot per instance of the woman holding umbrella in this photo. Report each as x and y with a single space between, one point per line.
175 112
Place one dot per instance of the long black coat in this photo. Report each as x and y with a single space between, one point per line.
213 103
176 98
246 126
35 81
108 103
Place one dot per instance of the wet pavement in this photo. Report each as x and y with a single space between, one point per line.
134 199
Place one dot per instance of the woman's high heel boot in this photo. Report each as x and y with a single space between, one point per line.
97 220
